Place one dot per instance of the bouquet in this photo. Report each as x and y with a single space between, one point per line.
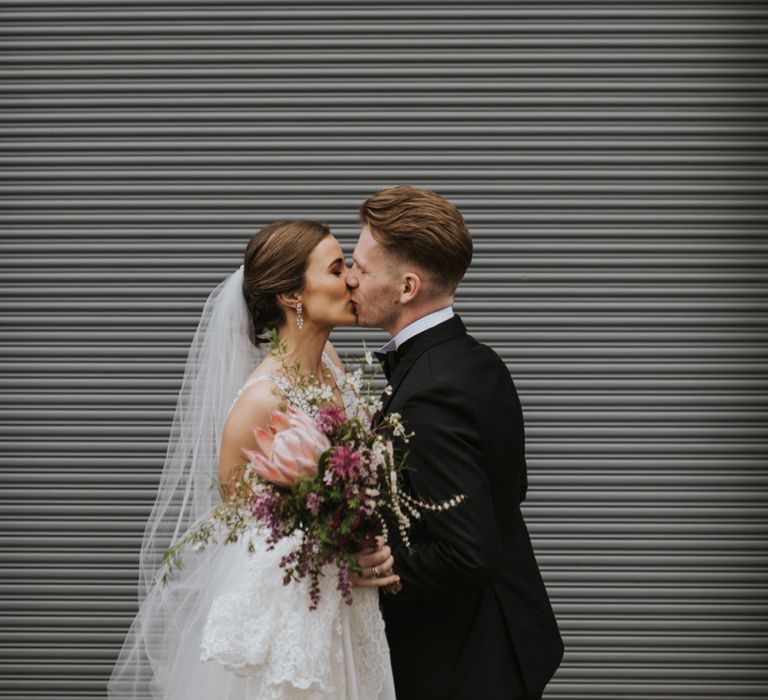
322 474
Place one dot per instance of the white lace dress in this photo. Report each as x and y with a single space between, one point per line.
263 631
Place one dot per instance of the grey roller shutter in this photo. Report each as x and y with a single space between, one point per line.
610 158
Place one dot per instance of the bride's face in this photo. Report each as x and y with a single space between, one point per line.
325 297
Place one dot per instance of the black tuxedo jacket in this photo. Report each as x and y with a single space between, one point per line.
473 619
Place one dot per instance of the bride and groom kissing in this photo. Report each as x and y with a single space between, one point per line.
462 612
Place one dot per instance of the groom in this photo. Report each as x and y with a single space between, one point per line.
471 618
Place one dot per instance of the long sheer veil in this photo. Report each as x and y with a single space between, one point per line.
220 359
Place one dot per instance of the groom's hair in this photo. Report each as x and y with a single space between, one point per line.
419 226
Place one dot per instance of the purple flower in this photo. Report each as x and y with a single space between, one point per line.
313 502
265 507
335 521
329 419
345 462
344 584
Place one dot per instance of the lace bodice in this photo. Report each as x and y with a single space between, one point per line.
286 390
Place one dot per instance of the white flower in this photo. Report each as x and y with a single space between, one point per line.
388 390
393 482
394 421
355 380
376 455
368 355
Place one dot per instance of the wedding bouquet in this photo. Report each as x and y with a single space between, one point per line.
323 475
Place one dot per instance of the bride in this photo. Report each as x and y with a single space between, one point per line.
225 626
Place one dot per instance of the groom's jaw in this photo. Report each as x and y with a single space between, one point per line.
361 321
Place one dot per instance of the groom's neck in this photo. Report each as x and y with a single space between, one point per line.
411 314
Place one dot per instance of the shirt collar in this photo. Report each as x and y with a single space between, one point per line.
419 326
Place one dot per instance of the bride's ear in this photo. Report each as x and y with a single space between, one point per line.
410 287
289 300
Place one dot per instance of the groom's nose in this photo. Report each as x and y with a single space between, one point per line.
352 281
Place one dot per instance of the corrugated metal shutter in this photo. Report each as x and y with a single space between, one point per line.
610 159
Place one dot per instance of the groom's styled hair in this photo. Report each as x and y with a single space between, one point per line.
421 227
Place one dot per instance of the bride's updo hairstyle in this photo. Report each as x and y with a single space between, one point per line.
276 260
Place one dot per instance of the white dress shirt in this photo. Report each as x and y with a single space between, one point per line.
418 326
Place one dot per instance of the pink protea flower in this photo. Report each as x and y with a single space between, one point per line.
290 447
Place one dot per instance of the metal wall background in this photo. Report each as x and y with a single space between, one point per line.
610 158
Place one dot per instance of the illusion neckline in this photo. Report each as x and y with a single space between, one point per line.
276 378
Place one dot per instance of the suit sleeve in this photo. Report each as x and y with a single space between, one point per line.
445 458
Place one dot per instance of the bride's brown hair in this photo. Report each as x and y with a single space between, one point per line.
275 262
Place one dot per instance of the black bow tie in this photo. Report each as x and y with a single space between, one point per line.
388 361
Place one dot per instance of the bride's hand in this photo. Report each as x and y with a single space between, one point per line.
377 567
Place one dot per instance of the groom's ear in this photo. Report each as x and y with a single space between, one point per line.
410 287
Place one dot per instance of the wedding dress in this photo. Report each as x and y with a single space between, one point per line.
225 627
263 630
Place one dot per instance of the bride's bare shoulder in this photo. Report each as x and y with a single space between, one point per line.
256 400
251 410
269 366
257 397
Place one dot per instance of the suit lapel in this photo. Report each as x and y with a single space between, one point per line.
414 348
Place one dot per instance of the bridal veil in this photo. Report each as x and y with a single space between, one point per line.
159 654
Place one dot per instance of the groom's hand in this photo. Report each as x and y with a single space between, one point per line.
376 564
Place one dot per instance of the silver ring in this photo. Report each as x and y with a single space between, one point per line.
376 572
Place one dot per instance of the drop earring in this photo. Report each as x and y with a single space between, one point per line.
299 317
